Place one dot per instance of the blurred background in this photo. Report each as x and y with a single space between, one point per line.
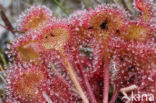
61 8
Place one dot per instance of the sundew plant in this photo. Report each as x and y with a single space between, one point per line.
98 55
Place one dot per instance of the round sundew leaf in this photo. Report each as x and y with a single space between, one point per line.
107 21
27 85
62 88
35 21
135 32
35 17
55 38
28 51
136 58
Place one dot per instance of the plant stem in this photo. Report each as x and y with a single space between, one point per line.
61 7
88 87
11 30
6 21
1 68
74 79
54 70
3 59
106 74
46 97
115 94
2 76
88 3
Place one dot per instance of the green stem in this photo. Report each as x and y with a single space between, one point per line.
61 7
3 59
